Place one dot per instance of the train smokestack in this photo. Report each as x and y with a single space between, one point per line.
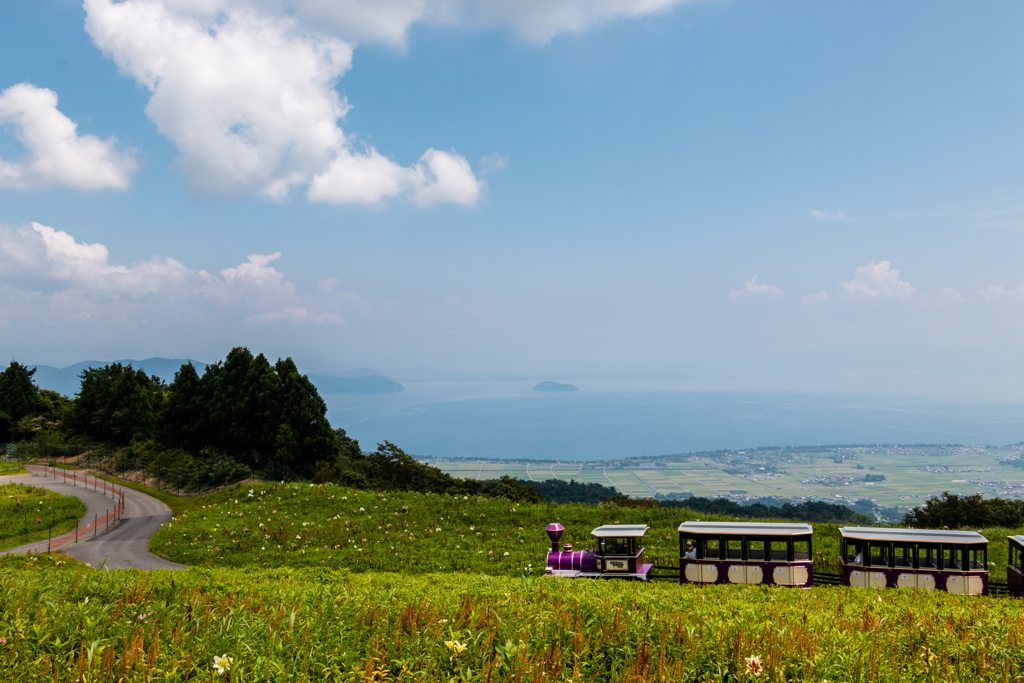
555 534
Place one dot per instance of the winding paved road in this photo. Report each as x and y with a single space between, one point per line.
125 544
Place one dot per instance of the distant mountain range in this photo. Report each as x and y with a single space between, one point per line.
68 380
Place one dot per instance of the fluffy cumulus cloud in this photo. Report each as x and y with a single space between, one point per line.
47 265
877 281
246 88
246 93
753 288
39 256
55 154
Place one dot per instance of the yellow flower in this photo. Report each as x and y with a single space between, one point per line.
455 646
754 667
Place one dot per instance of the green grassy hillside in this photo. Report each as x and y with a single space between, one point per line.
337 527
61 623
27 512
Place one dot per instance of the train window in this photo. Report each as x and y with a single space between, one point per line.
880 555
855 553
734 550
903 556
952 557
977 558
778 551
801 550
927 558
619 546
1014 557
755 550
711 550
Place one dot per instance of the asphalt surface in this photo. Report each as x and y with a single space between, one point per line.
125 544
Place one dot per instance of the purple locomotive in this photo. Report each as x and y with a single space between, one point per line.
617 556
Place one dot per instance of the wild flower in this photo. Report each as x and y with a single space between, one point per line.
754 667
3 641
222 664
456 647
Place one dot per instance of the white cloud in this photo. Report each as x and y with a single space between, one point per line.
246 93
78 281
245 89
39 253
437 178
55 154
816 298
954 296
833 217
752 288
1000 293
878 281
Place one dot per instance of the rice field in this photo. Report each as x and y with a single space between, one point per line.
911 474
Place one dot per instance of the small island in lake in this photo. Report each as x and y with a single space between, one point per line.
554 386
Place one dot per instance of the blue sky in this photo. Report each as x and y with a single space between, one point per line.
741 195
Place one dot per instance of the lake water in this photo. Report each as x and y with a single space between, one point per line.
615 419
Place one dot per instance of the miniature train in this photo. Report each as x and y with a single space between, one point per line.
782 555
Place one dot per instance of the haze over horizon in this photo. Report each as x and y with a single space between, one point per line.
716 196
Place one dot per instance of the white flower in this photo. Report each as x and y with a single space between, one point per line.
438 528
297 536
222 664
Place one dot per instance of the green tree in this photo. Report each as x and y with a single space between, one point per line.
19 396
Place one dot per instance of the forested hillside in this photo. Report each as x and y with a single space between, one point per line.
198 430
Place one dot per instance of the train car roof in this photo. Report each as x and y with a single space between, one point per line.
912 535
620 531
746 528
1019 540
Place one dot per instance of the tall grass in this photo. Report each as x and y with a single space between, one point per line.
26 514
326 625
300 526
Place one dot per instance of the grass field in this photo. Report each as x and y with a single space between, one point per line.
27 512
67 623
336 527
912 474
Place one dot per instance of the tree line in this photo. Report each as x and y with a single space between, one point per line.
950 511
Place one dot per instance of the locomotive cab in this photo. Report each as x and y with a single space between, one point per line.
928 559
619 554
